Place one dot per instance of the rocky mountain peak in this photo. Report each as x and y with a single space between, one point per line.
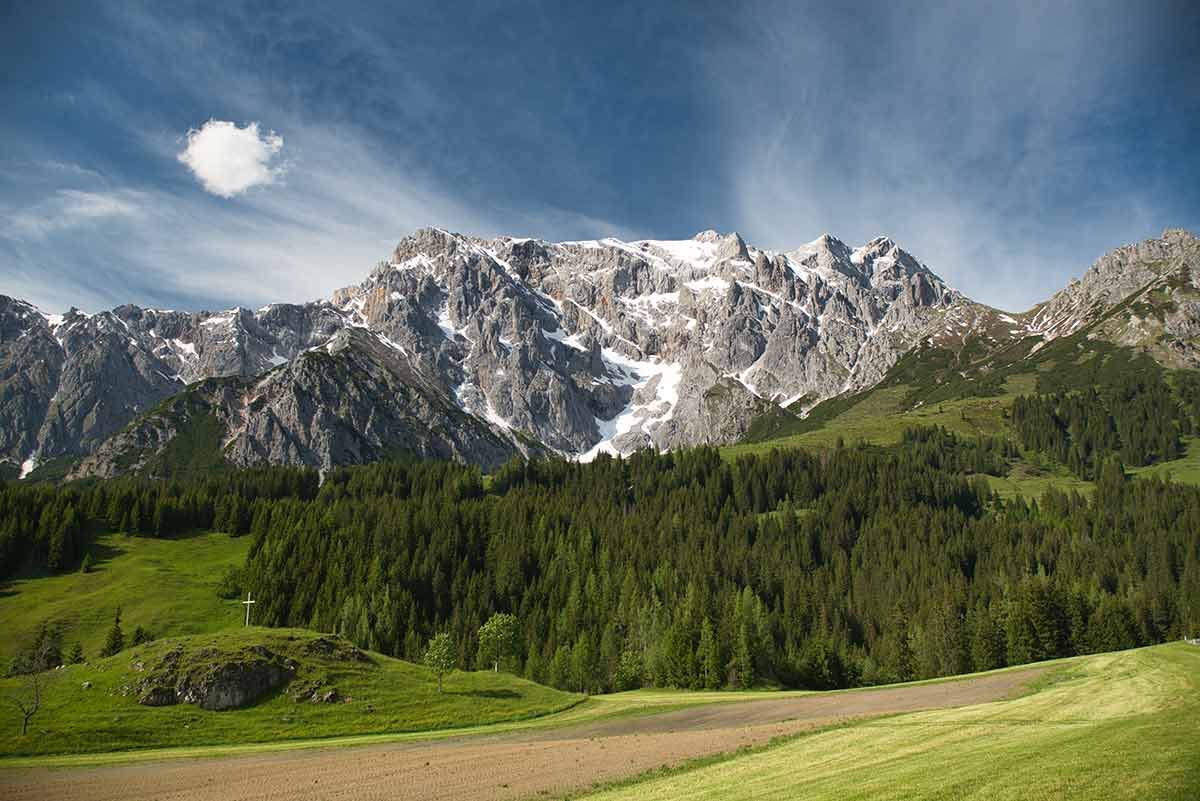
480 348
730 246
1171 262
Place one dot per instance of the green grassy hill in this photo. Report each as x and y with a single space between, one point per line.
375 695
970 392
1111 726
169 586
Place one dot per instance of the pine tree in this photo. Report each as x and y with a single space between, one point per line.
987 640
560 668
76 656
583 664
140 636
114 643
709 657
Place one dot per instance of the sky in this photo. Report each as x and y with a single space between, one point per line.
201 155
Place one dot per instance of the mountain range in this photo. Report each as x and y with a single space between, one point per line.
478 350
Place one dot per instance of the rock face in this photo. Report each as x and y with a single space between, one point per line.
480 349
1143 295
218 685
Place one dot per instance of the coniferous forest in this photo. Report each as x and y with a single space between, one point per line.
853 565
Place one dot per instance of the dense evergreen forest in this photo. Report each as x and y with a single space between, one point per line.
847 566
1138 419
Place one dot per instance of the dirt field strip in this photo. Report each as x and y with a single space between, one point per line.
504 766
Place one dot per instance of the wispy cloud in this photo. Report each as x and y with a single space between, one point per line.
67 209
350 191
340 212
993 142
979 138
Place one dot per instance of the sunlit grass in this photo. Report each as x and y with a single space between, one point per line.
169 586
1115 726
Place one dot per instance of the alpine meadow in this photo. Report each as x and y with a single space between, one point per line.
412 446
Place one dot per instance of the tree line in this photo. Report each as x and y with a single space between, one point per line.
852 566
848 566
49 526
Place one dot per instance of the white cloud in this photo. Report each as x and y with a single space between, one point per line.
228 160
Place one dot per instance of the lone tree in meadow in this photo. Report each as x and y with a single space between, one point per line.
28 699
439 656
498 638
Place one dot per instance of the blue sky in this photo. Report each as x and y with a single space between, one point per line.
1005 145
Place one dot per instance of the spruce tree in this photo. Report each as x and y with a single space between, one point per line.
114 643
709 657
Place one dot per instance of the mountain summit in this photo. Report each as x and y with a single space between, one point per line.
479 349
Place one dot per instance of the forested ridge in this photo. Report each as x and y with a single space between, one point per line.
1138 418
847 566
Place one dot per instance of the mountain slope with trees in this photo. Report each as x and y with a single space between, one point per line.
845 566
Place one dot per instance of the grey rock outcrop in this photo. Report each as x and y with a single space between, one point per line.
1143 295
218 685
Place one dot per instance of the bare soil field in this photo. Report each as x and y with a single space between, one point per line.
506 766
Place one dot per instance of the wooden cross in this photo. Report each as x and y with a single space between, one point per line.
247 604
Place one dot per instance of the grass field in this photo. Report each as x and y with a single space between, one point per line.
881 417
1112 726
167 585
388 695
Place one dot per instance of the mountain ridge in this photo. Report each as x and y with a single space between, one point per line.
527 346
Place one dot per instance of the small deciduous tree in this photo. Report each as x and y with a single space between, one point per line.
499 637
43 653
29 698
439 656
629 670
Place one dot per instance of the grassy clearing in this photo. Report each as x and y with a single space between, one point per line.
387 696
1112 726
168 585
881 416
1032 480
1185 470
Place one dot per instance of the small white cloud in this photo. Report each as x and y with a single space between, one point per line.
228 160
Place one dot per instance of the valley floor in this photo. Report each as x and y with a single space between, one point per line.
1110 726
594 745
